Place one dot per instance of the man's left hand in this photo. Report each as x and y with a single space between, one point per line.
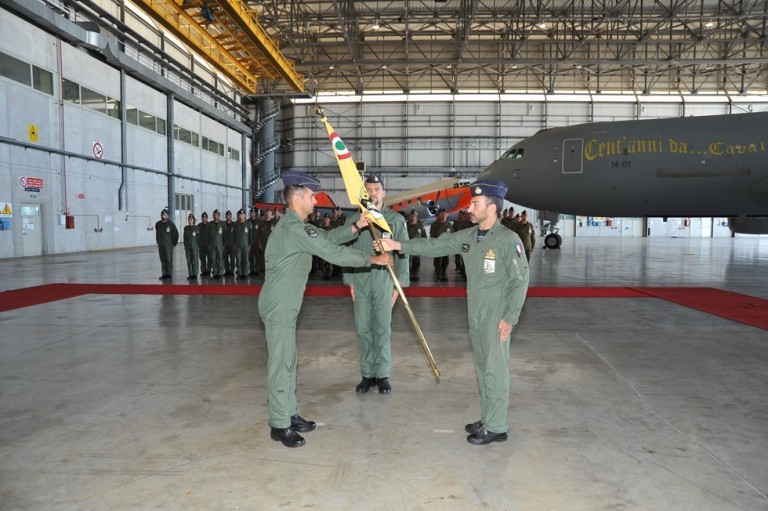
505 331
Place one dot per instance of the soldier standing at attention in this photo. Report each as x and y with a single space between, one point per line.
463 222
230 252
167 237
289 258
508 219
265 230
525 230
241 233
217 245
374 294
415 230
438 227
253 242
497 281
204 242
191 246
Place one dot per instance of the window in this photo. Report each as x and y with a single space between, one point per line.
234 154
160 126
93 100
15 69
71 91
132 115
113 108
42 80
147 121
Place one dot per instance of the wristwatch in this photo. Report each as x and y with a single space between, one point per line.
357 229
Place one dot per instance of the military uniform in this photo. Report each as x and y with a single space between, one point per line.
167 237
497 282
217 229
191 249
373 298
441 263
230 251
415 231
462 223
241 233
288 261
527 235
254 254
204 244
265 231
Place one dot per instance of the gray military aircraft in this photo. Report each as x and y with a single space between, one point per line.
712 166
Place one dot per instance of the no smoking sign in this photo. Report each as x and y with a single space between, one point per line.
98 150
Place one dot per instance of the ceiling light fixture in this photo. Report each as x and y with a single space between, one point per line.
376 25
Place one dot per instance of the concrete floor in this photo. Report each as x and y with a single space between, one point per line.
127 402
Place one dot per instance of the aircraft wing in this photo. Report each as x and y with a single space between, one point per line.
449 194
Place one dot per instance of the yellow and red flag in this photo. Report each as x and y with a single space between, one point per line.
356 192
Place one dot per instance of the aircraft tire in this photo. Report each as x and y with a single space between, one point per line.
553 241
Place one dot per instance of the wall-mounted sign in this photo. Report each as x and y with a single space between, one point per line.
31 184
32 133
98 150
79 196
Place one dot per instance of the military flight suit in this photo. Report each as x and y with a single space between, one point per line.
217 247
230 251
167 237
441 263
415 231
373 297
191 249
265 231
497 282
242 235
254 254
288 261
458 225
527 235
204 243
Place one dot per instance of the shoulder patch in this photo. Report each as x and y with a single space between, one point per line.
465 247
311 232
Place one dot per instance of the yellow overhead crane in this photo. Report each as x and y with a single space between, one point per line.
227 34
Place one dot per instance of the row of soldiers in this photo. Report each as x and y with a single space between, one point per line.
517 223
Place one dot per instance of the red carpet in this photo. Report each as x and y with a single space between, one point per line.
746 309
737 307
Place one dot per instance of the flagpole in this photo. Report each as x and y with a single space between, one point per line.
416 327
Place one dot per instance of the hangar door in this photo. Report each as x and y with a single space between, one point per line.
573 148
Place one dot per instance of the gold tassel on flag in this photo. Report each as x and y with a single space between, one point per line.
358 196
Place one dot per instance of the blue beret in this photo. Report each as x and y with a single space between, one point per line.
373 178
488 187
297 178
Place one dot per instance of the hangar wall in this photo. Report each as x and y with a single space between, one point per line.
69 121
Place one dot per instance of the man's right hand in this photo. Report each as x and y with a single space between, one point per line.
389 244
382 259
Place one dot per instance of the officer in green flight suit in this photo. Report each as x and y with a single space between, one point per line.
204 242
230 251
497 282
241 231
288 261
167 237
374 294
191 248
217 229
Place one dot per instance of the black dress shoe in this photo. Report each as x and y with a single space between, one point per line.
241 277
474 427
287 436
302 425
485 437
192 277
384 386
365 385
216 277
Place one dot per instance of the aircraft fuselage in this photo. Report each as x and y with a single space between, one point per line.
693 166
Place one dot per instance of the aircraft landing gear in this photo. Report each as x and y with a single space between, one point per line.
553 241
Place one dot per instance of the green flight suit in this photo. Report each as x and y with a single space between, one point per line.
167 237
288 261
230 251
191 249
254 253
497 282
242 235
441 263
415 231
217 230
204 242
373 297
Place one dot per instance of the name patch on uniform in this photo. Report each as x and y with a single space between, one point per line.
464 247
489 263
311 232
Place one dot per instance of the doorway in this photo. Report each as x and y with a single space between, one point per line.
31 230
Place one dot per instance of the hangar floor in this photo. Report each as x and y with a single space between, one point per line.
128 402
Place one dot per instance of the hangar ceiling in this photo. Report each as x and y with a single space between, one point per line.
512 46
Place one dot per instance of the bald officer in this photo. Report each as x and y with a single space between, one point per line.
288 260
497 281
374 294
